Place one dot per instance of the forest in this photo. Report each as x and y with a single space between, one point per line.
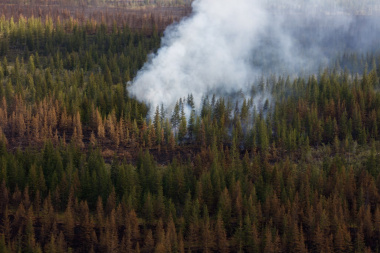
85 167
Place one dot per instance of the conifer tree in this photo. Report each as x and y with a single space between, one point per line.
149 242
220 235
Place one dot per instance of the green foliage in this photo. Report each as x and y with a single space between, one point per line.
84 170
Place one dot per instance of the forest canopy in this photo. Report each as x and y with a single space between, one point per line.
84 169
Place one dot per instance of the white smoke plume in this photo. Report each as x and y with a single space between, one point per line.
223 46
208 51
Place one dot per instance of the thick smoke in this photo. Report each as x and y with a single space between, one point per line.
225 45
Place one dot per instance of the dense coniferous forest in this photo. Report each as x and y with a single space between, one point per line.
137 15
83 168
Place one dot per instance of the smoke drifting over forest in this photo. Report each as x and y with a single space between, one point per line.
224 46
